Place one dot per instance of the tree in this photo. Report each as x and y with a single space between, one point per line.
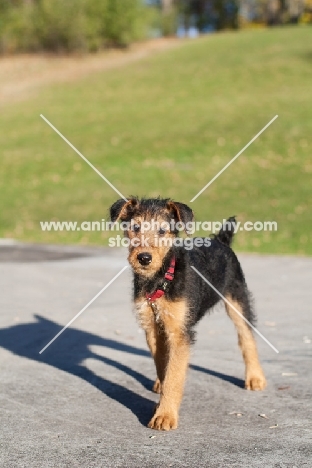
167 5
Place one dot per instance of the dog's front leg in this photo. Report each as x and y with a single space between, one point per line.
157 344
166 413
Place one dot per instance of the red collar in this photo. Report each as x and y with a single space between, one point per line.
168 277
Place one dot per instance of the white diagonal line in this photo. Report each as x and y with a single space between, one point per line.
235 157
234 308
83 157
82 310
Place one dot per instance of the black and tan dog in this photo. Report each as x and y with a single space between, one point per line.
170 297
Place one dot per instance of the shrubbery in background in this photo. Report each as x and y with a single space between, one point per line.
89 25
70 25
192 17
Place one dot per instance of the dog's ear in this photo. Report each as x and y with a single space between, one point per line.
123 209
181 212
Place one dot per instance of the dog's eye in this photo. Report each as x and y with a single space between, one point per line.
136 228
161 231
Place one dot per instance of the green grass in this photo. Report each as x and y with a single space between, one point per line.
165 126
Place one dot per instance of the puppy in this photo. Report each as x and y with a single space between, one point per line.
170 296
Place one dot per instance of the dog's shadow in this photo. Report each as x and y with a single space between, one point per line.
71 350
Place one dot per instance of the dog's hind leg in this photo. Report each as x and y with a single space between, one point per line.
254 376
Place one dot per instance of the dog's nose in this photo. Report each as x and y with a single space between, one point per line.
144 258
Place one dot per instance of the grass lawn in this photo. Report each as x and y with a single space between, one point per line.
166 125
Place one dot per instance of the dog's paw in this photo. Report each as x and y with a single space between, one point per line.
255 382
163 420
157 386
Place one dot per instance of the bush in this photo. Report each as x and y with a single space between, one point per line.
124 22
59 25
71 25
15 26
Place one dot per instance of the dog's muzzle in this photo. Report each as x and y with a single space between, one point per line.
144 258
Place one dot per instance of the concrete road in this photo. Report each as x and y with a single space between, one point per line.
86 400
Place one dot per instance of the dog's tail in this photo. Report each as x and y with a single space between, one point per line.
226 233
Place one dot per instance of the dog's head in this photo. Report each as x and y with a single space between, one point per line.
150 225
